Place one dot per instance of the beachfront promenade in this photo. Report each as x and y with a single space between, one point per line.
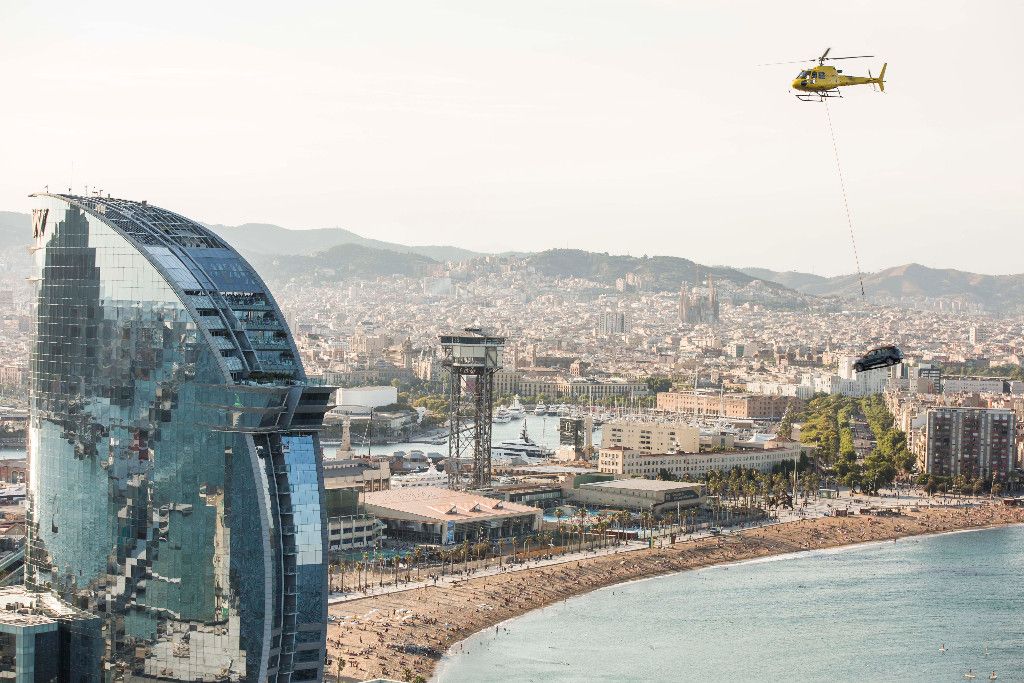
461 576
814 508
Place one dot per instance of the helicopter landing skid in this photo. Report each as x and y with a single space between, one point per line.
818 96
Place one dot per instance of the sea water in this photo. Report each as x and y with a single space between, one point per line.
875 612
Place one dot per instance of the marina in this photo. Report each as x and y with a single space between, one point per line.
543 430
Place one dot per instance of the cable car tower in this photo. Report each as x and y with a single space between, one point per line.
471 358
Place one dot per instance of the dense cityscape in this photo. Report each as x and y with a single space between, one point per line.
460 342
675 415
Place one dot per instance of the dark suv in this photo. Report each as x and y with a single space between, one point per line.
881 357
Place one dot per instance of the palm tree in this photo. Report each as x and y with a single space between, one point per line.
605 525
559 513
646 522
960 483
581 520
417 557
750 490
602 526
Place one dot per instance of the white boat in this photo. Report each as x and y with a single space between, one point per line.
540 409
429 477
502 416
523 447
516 410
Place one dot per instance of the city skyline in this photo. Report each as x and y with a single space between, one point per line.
529 129
404 341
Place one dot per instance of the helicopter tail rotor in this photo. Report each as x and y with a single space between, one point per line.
881 78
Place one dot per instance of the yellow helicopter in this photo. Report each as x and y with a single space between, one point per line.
824 80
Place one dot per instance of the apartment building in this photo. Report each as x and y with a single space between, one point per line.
629 462
651 437
555 385
349 528
750 406
974 442
371 475
14 375
980 385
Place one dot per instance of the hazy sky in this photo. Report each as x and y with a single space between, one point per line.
629 127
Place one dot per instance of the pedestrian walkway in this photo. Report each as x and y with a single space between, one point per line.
459 577
818 508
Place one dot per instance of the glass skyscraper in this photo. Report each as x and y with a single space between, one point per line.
176 482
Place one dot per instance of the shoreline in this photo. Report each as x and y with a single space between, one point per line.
404 635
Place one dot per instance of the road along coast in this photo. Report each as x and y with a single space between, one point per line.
402 635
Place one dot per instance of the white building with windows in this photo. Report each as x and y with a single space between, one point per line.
633 463
352 532
651 437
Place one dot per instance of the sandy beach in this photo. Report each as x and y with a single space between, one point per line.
402 635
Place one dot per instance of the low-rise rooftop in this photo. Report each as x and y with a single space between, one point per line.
439 504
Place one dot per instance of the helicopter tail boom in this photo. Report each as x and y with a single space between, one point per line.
881 78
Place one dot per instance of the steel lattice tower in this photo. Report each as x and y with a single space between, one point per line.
471 359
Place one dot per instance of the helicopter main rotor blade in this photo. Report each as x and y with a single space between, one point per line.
824 55
795 61
816 59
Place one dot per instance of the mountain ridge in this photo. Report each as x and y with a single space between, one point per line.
663 273
268 238
266 243
1003 293
339 262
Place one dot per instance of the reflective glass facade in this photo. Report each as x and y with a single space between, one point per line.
176 481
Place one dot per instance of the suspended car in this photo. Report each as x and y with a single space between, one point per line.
880 357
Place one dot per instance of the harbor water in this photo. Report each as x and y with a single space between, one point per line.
542 430
876 612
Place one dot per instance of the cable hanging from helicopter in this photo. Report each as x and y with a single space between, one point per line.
823 82
846 202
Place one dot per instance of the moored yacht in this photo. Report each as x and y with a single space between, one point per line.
516 410
524 446
502 415
540 409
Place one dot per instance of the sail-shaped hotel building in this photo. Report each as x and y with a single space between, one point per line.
175 474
